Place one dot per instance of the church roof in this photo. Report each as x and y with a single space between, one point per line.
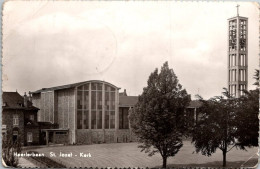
71 86
127 101
195 104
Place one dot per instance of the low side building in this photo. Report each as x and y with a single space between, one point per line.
19 119
192 112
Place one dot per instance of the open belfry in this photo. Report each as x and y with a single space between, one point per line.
237 55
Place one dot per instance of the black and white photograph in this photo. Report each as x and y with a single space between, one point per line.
130 84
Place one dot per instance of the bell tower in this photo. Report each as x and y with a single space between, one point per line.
237 55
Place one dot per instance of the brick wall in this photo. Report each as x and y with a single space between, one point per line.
110 136
61 139
7 119
123 135
85 136
35 134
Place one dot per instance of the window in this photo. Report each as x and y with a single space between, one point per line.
61 133
99 119
29 137
83 106
15 136
4 136
16 120
85 117
79 100
93 120
20 104
123 118
79 119
106 119
32 117
112 120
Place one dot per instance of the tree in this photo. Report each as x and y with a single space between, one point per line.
156 118
247 118
217 127
8 149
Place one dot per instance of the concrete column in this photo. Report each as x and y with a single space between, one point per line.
54 134
74 127
116 110
130 129
103 111
47 137
83 101
89 112
103 106
116 114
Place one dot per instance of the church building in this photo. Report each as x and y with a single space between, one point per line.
86 112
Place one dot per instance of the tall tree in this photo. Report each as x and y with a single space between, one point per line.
156 117
8 149
216 128
247 118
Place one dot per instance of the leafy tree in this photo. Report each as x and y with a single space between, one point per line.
247 118
228 122
156 118
217 128
8 149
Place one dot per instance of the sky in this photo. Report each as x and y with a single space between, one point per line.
52 43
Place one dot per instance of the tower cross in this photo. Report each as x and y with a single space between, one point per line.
237 10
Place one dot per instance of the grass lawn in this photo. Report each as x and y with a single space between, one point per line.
128 155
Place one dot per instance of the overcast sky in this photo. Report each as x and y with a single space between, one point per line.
51 43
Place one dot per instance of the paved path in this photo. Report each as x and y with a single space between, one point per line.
24 163
128 155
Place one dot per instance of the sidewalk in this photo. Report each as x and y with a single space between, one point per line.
24 163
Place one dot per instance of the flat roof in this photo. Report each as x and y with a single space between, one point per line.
240 17
54 129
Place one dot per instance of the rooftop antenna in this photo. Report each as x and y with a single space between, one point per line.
237 9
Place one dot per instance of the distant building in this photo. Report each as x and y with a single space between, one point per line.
237 55
192 112
86 112
19 119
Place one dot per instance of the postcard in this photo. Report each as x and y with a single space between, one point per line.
124 84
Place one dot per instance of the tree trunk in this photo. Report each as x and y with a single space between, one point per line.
224 158
164 162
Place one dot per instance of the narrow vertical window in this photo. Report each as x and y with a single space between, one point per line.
29 137
31 117
16 120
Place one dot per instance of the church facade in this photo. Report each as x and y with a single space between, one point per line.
86 112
